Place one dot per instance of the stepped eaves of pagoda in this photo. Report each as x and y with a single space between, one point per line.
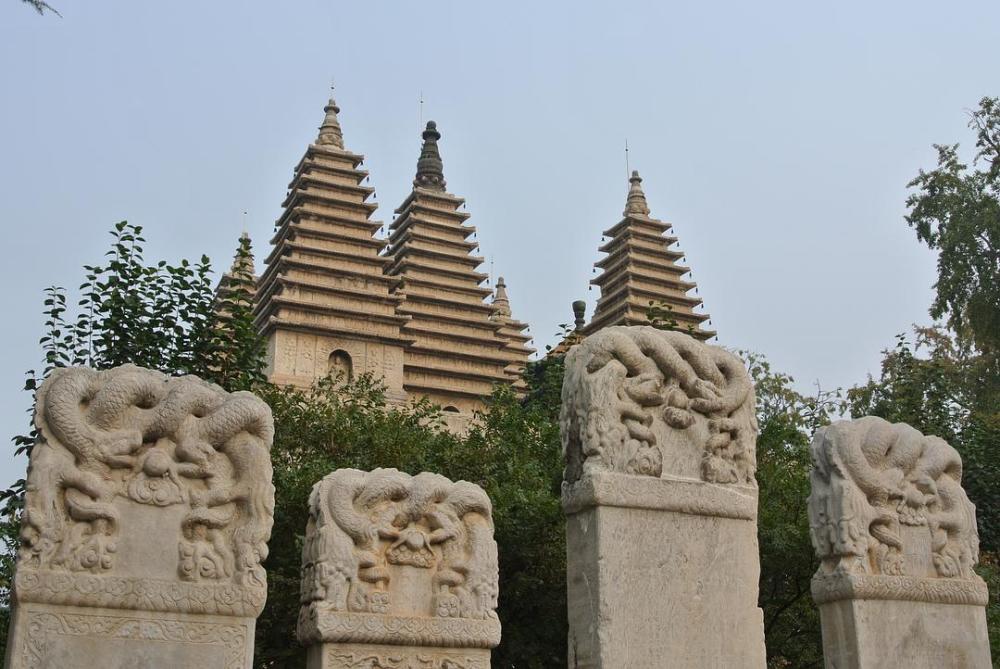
325 281
459 350
640 268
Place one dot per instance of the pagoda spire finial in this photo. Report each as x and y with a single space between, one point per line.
501 303
330 133
635 204
430 169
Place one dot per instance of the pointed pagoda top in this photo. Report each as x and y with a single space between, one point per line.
430 169
635 204
501 303
243 262
330 133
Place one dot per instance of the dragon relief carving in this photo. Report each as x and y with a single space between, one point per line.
370 532
883 493
628 390
134 434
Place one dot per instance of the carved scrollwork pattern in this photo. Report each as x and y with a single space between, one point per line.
887 500
384 549
630 393
43 630
179 447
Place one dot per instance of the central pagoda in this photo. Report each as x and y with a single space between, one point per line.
462 345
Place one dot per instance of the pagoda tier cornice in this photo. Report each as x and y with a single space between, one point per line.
285 262
424 388
303 212
637 221
445 198
355 158
656 259
419 348
373 260
402 261
660 274
471 291
300 235
274 322
610 283
629 287
419 235
423 251
438 299
634 237
315 176
486 377
279 300
281 282
421 328
489 329
655 246
401 224
305 196
623 316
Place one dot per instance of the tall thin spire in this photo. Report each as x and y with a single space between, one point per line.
635 204
430 169
330 133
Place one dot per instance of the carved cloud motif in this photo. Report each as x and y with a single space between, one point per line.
118 441
632 393
888 500
385 542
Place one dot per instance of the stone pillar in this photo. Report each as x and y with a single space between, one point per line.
148 509
659 438
897 539
398 571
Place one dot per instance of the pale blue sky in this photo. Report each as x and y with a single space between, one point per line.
778 137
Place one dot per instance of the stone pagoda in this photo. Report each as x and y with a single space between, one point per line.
324 302
462 346
642 271
336 299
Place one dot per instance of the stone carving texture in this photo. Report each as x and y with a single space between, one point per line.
136 434
897 541
658 433
145 493
391 558
882 492
641 401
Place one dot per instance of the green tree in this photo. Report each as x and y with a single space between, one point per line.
956 211
786 419
159 316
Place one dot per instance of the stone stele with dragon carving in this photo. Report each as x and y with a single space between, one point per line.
659 439
147 512
398 572
897 541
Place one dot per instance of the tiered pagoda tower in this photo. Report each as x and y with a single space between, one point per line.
325 302
460 350
641 269
517 350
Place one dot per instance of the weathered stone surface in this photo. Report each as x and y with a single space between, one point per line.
897 539
399 571
148 509
369 656
658 434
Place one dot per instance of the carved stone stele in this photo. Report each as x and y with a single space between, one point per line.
147 513
897 540
399 572
659 439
